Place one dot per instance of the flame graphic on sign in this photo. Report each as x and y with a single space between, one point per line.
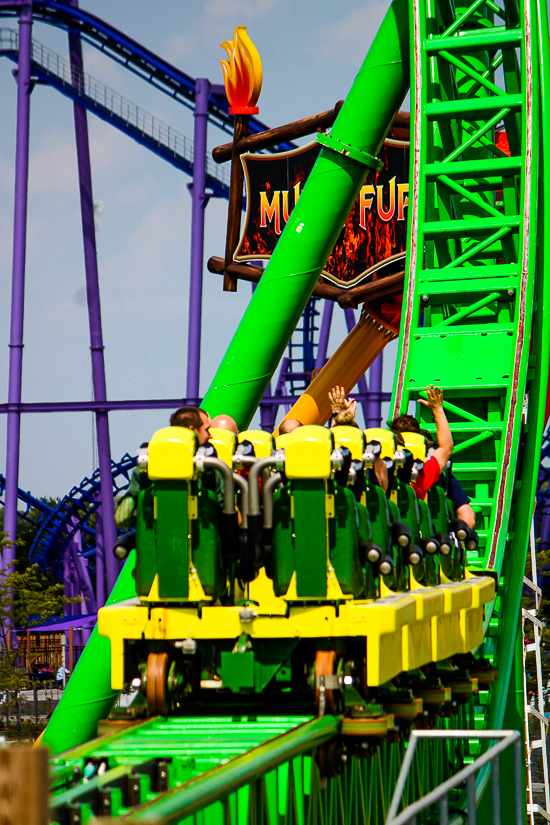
242 73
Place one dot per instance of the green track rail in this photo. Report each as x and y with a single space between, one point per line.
236 771
476 249
153 767
472 258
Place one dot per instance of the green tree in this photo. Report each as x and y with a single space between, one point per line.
27 599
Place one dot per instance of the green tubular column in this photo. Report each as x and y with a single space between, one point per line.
88 696
315 223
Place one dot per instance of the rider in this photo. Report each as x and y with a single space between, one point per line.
437 462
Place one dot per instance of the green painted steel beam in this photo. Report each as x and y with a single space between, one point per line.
476 42
481 167
468 227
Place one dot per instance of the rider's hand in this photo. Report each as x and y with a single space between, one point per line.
339 402
435 398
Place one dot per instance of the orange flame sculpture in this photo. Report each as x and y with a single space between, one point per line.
242 73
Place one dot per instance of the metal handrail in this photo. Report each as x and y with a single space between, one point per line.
148 124
466 775
196 794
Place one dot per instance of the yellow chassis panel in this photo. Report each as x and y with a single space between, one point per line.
402 631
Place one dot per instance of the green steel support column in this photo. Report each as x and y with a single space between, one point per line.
88 696
315 223
513 720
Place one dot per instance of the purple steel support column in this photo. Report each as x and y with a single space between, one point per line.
374 405
545 532
84 584
268 413
94 307
324 335
67 581
24 89
99 558
199 203
362 383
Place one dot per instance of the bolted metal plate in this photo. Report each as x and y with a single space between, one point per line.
461 359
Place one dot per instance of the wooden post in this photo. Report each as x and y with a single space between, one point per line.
270 138
71 651
24 786
235 207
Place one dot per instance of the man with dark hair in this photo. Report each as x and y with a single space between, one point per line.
410 424
194 418
439 458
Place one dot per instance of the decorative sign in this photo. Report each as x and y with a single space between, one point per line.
374 236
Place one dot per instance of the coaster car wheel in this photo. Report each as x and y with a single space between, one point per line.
158 693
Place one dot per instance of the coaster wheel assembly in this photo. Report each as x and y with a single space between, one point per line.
158 675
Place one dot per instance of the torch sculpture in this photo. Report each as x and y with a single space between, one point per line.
242 74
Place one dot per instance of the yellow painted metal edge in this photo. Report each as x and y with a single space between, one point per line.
402 631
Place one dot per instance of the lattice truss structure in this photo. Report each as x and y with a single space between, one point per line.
471 256
477 242
535 704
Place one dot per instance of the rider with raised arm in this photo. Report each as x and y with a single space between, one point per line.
437 462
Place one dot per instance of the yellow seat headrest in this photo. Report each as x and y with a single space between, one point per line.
351 437
282 440
308 451
263 442
171 452
225 443
417 444
386 439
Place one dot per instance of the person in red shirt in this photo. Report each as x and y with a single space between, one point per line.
439 458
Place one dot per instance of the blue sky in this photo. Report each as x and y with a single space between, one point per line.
310 52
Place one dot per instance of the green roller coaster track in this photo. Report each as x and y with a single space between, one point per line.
476 323
476 266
